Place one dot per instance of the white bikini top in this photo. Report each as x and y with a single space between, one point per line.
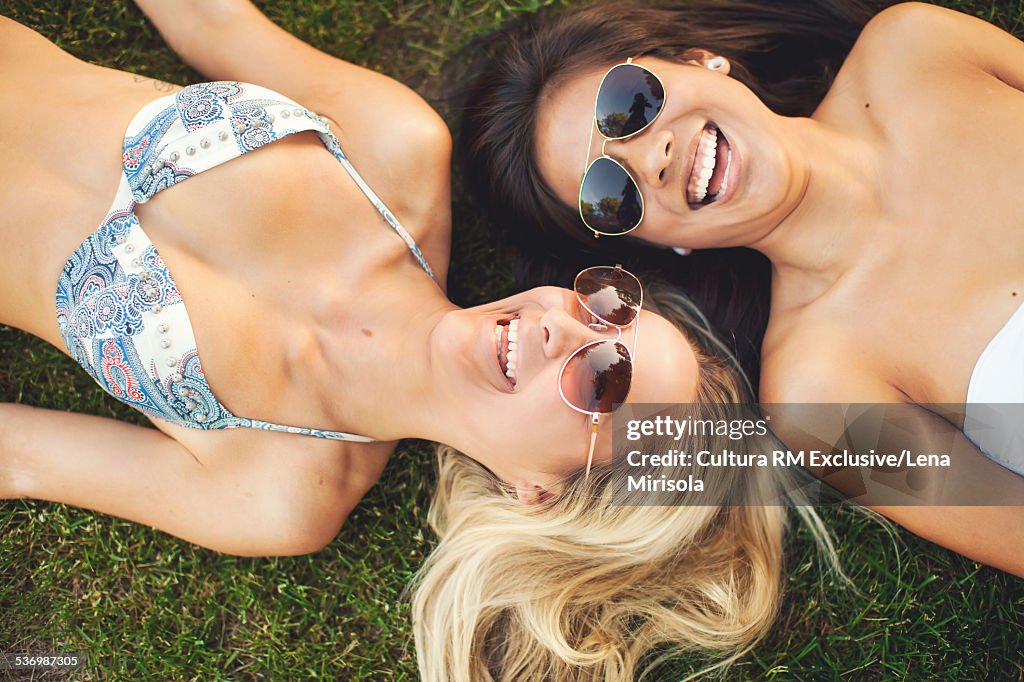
994 418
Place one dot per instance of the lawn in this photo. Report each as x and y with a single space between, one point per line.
144 606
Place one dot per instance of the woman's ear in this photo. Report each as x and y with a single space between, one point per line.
531 494
709 60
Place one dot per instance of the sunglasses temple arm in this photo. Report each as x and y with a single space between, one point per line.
595 420
590 143
636 335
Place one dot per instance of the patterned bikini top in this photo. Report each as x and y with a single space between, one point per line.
118 307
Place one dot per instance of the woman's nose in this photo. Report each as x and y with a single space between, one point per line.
649 155
563 333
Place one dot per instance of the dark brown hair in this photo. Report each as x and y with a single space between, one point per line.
786 51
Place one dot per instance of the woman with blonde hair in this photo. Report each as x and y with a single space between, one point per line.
601 583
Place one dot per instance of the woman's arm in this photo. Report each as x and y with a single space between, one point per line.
396 140
828 373
232 40
235 496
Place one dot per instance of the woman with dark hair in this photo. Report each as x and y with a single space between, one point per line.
787 52
883 193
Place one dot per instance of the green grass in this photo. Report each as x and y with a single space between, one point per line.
141 605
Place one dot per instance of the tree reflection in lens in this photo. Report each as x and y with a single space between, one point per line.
610 294
628 100
598 377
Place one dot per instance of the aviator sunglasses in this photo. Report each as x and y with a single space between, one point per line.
629 98
596 378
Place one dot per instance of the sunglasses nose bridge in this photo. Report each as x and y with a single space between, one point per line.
647 156
615 149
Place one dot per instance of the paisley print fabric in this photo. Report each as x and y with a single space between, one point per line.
118 307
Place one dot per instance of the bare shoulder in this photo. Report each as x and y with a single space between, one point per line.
924 36
814 367
403 124
415 146
820 363
901 46
403 149
913 21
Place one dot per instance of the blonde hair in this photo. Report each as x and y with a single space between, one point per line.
579 588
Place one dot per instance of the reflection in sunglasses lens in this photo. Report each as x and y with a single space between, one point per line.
628 100
610 201
611 294
598 377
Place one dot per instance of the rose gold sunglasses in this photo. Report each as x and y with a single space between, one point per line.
596 378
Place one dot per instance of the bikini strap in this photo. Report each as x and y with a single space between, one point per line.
221 121
331 142
318 433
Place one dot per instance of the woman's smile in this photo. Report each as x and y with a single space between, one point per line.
506 347
711 171
506 337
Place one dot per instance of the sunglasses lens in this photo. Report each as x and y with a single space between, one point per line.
629 98
610 202
612 294
597 377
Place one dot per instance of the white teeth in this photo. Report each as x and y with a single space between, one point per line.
725 178
512 337
704 164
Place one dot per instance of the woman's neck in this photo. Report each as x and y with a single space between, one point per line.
834 222
371 358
